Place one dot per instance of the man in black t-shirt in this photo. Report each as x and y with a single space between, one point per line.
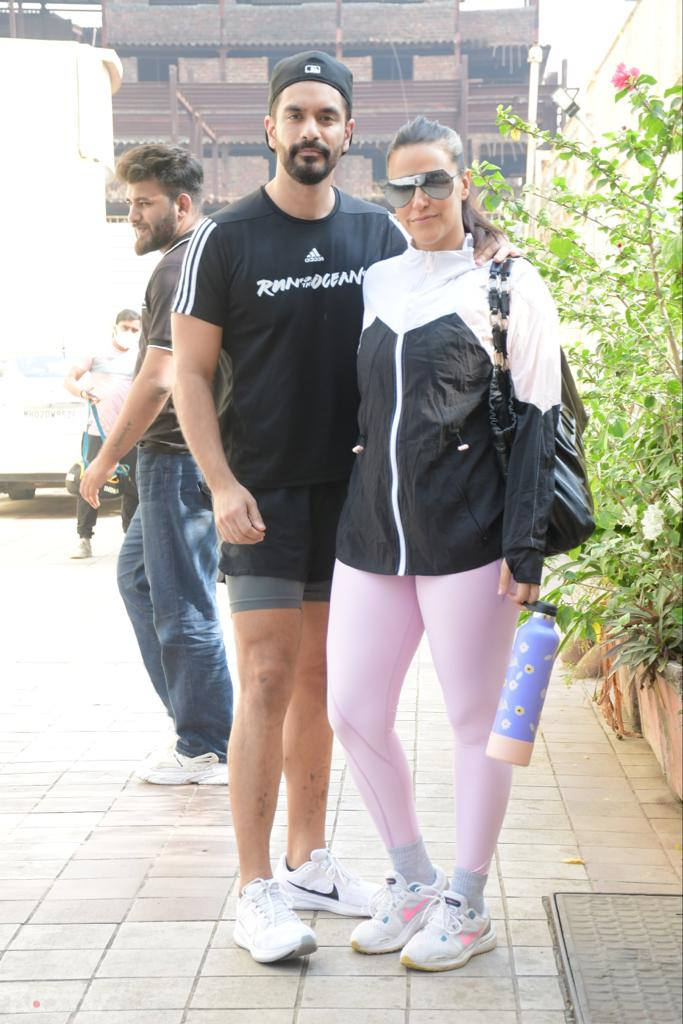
168 563
274 282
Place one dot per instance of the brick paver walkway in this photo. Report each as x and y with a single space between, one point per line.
116 897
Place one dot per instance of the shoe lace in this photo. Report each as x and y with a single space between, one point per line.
273 903
388 897
382 900
445 916
334 869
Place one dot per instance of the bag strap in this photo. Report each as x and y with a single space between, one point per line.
499 305
84 444
502 413
121 470
98 421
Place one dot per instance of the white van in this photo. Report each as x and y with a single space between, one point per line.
41 424
58 144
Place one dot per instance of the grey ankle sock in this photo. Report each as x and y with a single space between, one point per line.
471 885
413 862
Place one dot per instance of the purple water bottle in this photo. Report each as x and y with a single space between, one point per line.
526 684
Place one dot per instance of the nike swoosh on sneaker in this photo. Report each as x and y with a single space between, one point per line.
332 895
407 914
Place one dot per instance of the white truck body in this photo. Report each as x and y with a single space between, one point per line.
56 125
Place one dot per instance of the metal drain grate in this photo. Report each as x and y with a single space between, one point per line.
621 956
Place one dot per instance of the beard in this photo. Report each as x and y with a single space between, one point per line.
309 170
157 236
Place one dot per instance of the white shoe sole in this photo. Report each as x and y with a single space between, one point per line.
306 944
301 901
216 775
486 943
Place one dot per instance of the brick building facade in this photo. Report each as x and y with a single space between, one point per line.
196 73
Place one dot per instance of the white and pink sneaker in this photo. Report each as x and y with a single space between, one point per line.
398 910
451 935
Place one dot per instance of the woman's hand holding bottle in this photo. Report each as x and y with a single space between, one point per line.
520 593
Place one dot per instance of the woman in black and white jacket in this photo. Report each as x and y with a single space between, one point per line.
433 539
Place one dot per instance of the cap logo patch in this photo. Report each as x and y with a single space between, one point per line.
313 69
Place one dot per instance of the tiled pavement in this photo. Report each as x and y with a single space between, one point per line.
116 897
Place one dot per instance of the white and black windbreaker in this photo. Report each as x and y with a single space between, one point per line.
426 495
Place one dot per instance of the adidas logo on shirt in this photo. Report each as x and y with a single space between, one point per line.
314 257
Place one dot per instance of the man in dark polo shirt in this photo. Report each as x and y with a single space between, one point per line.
168 563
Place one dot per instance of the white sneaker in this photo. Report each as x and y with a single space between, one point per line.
398 911
452 935
174 769
83 549
267 926
323 884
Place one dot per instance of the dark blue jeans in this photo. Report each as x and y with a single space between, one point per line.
167 578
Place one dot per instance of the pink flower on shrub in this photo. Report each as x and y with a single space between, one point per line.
625 77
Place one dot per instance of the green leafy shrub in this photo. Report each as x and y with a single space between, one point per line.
611 255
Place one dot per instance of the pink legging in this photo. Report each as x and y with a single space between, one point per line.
376 623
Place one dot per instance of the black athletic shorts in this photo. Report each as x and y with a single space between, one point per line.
301 531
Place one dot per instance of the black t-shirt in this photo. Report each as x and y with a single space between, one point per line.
164 434
288 296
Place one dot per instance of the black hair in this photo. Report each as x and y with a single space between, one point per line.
174 168
421 130
126 314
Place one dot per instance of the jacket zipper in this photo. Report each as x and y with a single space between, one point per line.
393 455
393 439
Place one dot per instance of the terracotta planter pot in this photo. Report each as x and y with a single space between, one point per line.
618 698
627 685
633 705
659 704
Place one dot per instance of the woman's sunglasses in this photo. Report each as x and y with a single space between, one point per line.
435 184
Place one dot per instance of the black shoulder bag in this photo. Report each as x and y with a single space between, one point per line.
571 516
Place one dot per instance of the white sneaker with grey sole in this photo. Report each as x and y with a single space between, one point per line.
174 769
266 925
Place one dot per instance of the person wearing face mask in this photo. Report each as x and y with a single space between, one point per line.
433 539
103 380
168 563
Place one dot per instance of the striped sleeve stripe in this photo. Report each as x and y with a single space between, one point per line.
187 285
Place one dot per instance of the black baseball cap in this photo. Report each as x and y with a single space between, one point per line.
311 66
